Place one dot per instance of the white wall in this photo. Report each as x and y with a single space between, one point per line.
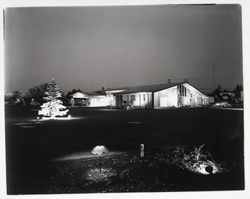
199 98
98 101
166 98
170 97
111 100
186 100
142 99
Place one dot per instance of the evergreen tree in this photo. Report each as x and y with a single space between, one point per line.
53 107
217 93
37 93
237 91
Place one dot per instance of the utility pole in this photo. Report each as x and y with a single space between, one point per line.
213 76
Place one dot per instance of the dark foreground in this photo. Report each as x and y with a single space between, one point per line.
54 156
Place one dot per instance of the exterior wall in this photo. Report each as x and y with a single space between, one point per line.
141 99
78 102
98 101
196 97
111 100
78 99
177 96
186 99
118 101
166 98
102 100
173 97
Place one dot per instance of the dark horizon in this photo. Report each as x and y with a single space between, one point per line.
89 48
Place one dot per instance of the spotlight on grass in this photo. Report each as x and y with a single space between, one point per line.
201 162
197 160
100 150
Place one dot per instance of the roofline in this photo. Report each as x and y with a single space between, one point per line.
174 84
88 93
125 88
196 88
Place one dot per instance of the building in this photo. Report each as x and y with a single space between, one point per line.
78 99
156 96
227 95
148 96
91 99
98 100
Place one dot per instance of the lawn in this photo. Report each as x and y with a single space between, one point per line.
54 156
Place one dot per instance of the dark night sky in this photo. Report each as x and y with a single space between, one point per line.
92 47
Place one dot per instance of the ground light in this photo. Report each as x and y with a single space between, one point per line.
100 150
69 117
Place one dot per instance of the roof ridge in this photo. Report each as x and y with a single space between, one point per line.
128 87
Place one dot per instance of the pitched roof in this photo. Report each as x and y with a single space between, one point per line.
145 88
79 95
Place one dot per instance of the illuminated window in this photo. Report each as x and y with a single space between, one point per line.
132 99
182 90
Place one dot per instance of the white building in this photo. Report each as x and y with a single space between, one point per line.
149 96
78 99
157 96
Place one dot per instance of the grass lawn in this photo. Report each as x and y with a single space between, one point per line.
39 154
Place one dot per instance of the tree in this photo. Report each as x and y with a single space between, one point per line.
53 106
237 91
37 93
16 98
217 92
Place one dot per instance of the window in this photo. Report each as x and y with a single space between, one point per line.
132 99
144 97
182 90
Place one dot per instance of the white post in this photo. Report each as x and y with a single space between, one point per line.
141 150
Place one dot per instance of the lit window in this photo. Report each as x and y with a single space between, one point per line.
132 99
182 90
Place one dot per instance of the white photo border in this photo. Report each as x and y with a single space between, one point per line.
245 5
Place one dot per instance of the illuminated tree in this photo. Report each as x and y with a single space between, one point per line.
53 107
